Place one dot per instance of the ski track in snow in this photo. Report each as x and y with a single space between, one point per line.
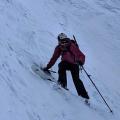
28 32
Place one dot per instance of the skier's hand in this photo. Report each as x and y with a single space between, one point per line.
45 69
80 63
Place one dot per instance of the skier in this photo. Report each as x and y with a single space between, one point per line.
71 58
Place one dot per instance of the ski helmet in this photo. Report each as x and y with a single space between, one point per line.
62 36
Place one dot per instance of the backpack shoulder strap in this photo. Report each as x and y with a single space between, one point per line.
73 41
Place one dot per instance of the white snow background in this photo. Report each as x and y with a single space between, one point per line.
28 34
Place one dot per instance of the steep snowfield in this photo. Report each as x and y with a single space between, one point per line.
28 32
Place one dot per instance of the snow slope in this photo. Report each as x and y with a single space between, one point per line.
28 32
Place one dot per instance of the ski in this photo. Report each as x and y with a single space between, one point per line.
46 75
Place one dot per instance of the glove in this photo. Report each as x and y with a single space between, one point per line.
80 63
45 69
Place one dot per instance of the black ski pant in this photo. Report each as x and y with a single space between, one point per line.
74 69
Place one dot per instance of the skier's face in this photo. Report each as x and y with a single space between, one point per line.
62 42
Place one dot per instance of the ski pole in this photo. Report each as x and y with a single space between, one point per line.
75 41
93 82
74 38
97 89
52 71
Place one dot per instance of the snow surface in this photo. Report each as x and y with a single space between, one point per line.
28 34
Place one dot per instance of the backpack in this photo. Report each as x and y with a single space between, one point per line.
79 57
73 41
66 45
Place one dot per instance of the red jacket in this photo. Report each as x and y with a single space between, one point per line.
73 55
